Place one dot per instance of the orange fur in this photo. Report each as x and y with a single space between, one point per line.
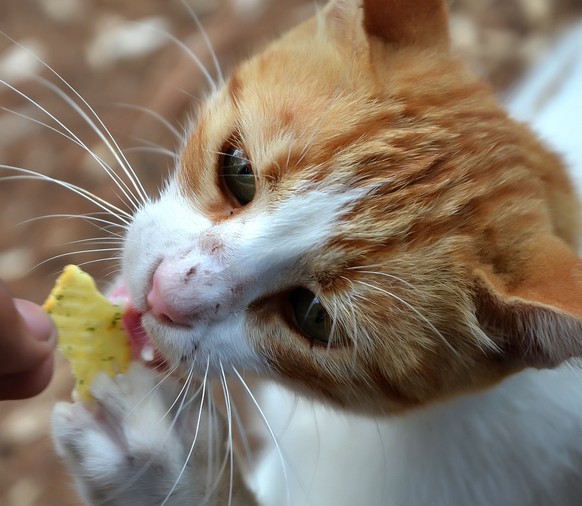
458 268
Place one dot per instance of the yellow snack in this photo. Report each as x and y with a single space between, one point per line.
91 334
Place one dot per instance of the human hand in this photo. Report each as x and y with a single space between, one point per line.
27 341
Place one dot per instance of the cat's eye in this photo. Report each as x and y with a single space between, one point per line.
310 315
237 174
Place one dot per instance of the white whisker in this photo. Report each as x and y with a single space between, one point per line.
270 430
125 166
68 133
229 423
107 138
249 456
139 473
151 149
93 220
415 311
386 275
181 473
206 41
103 204
191 54
157 116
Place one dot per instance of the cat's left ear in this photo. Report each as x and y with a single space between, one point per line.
540 319
407 23
394 24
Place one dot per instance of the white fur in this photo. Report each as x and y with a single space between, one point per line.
123 451
518 444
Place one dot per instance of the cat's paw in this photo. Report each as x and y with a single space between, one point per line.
141 443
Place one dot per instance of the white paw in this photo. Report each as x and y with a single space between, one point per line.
135 445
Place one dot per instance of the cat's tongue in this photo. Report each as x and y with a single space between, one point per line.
142 347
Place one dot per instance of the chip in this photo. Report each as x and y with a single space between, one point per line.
91 333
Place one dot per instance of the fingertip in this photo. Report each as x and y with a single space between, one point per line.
37 321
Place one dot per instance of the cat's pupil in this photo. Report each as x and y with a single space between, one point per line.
237 175
310 315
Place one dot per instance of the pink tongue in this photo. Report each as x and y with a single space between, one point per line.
137 334
142 348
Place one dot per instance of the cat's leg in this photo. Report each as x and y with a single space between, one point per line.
130 448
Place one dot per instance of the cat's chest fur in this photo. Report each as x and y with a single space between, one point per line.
515 445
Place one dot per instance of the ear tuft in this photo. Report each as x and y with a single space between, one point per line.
402 23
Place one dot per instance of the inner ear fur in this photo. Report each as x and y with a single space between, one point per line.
407 23
539 320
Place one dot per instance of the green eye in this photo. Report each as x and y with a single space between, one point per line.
310 315
237 174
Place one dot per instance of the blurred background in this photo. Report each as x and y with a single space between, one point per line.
123 56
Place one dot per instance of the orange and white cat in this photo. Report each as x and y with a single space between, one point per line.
355 217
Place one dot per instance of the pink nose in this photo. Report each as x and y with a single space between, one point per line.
159 304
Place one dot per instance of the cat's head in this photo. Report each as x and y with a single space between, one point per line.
354 215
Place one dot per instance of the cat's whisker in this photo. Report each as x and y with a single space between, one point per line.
113 271
99 260
152 390
364 270
181 394
415 311
212 447
146 465
81 252
26 174
207 41
230 446
214 474
248 452
67 134
106 137
186 50
333 328
271 433
196 432
91 218
353 320
153 150
155 115
96 241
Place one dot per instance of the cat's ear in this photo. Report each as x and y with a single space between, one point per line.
393 23
539 320
407 23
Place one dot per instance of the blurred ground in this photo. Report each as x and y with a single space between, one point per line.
110 60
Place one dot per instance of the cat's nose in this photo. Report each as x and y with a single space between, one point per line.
160 305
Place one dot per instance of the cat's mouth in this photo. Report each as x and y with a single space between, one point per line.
143 348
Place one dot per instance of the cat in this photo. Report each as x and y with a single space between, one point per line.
356 218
